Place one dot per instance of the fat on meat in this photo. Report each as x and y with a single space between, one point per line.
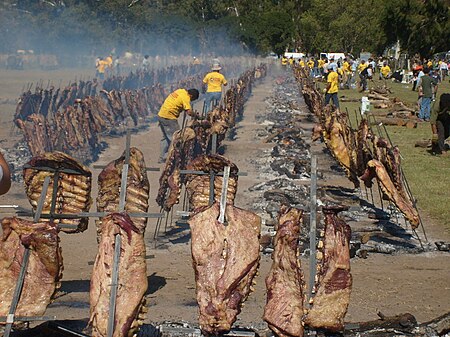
284 308
225 260
334 280
44 270
132 278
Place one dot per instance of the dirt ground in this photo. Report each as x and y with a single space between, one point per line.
392 284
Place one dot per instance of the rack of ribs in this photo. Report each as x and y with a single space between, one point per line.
130 309
284 308
225 260
198 185
137 189
45 265
334 280
73 193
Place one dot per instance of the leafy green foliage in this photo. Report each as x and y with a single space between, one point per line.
193 26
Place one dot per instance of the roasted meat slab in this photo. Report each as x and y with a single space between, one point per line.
138 188
284 307
225 260
334 279
198 186
132 278
378 170
44 267
73 191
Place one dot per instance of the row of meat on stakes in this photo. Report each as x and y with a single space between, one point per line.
362 153
225 252
72 119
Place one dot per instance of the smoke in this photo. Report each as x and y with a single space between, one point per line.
76 34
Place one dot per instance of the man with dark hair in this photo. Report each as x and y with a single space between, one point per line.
177 102
331 91
440 124
426 86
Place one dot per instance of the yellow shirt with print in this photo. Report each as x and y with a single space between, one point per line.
321 63
302 64
214 80
175 103
430 64
311 64
362 66
109 61
284 61
101 65
333 79
346 67
385 70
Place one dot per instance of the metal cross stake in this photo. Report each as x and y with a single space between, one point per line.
223 196
10 319
312 228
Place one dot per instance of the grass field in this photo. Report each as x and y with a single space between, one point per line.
428 175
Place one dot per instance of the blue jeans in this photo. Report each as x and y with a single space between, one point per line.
334 97
425 108
212 96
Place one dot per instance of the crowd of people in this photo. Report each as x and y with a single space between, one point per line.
350 73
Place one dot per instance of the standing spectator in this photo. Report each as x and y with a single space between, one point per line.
443 68
331 91
146 63
417 73
101 67
385 71
440 124
5 176
364 75
320 64
426 87
214 80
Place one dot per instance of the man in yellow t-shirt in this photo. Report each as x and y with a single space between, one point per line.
284 61
101 67
177 102
214 80
332 87
385 70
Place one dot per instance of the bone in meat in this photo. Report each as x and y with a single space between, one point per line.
132 278
377 169
44 267
225 260
284 308
73 190
334 278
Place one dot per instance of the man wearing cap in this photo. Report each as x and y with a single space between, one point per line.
177 102
332 86
214 81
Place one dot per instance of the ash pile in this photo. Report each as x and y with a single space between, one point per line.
285 167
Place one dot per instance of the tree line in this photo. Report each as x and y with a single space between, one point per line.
224 27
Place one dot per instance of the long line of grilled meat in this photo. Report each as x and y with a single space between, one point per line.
73 190
132 278
225 259
44 270
137 189
334 280
198 186
284 308
376 169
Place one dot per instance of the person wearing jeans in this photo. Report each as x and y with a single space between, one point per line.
214 80
426 88
332 87
177 102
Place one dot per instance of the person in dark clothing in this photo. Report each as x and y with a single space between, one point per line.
440 124
427 86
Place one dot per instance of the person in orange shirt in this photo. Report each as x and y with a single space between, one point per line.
214 81
177 102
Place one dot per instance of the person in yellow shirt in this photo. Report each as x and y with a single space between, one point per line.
284 61
302 63
311 63
332 88
320 64
291 61
214 81
385 71
363 65
101 67
177 102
